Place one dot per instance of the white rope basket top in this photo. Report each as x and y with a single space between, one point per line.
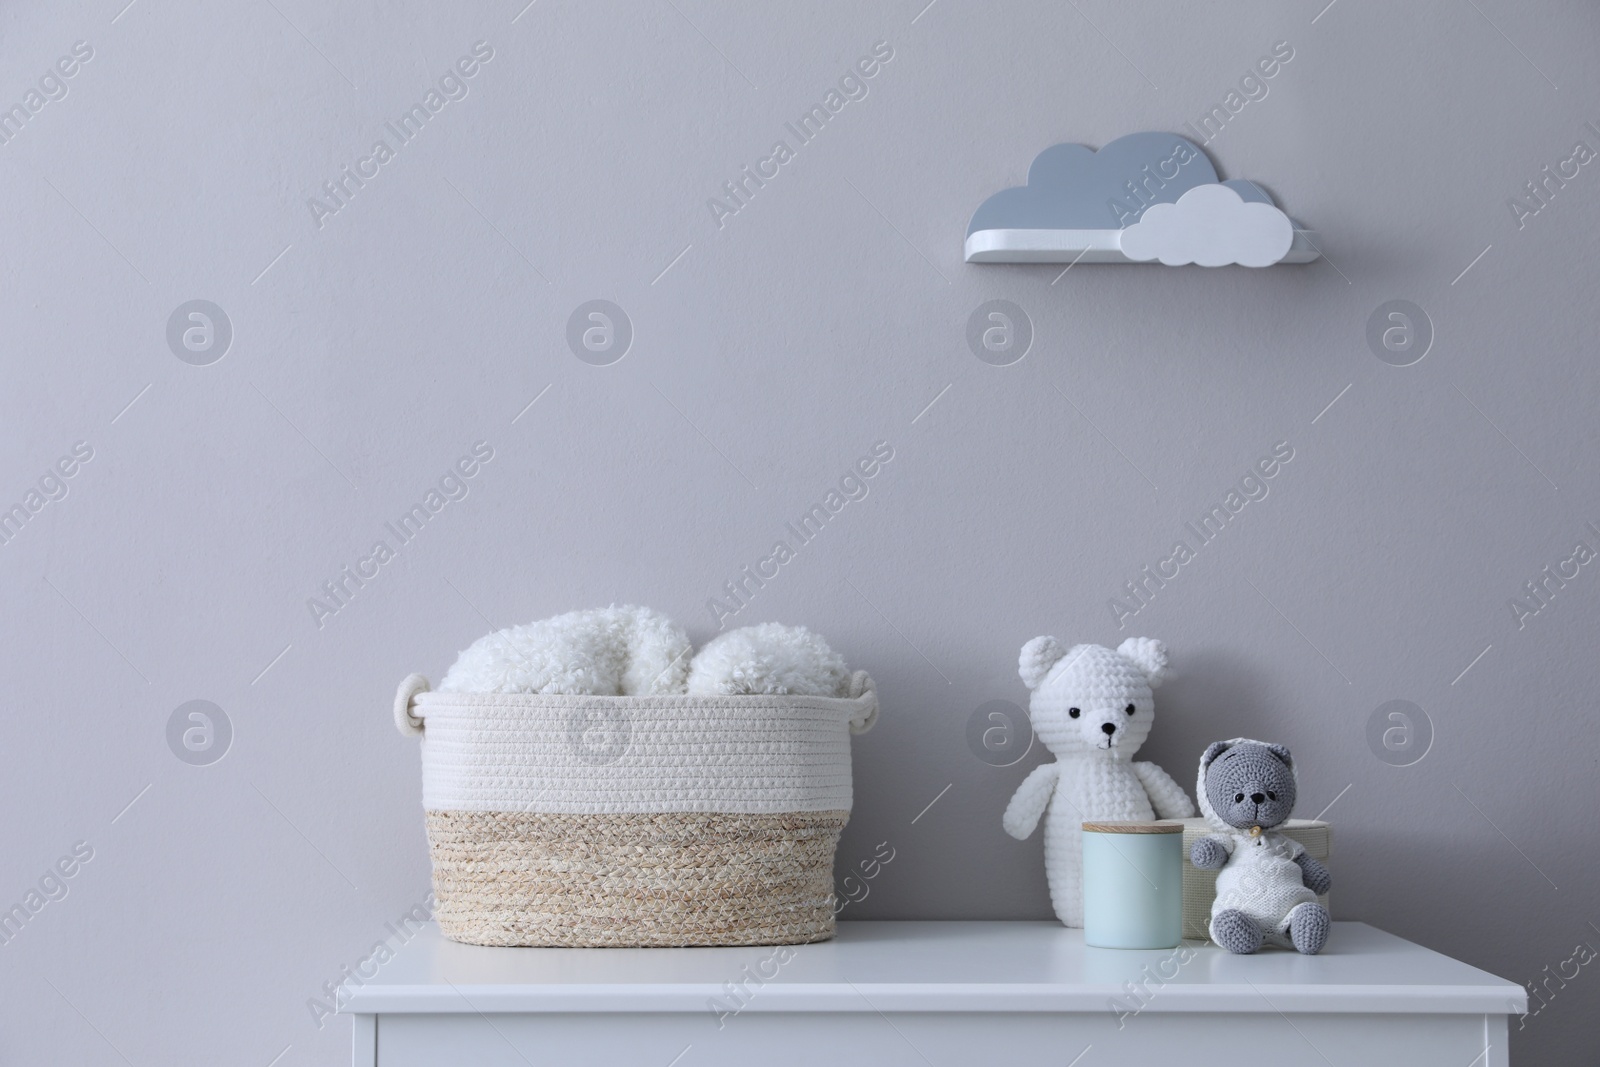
525 752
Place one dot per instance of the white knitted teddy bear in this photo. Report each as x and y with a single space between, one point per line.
1093 708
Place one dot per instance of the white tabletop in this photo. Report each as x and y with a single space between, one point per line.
935 966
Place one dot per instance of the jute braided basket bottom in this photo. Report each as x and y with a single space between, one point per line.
655 880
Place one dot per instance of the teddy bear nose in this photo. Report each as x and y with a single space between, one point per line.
1258 797
1109 727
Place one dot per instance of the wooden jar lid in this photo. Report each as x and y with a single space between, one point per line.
1133 827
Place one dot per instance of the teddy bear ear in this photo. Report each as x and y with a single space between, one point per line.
1037 657
1213 750
1150 655
1283 754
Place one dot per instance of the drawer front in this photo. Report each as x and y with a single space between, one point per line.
871 1039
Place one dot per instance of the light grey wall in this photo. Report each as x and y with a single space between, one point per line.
371 352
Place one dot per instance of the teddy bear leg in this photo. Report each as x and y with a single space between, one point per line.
1063 867
1066 894
1308 927
1064 871
1236 932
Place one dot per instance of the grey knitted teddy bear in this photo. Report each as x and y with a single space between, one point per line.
1268 888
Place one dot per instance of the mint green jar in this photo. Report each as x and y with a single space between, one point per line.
1132 884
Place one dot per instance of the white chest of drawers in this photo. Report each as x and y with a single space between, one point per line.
930 994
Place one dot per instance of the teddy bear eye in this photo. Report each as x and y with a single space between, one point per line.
1238 798
1074 712
1129 709
1271 795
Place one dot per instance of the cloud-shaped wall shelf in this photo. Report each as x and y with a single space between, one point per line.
1142 198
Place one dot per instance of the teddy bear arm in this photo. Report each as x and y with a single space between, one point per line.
1314 874
1166 795
1208 854
1030 800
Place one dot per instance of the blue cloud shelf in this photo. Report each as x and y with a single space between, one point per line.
1146 197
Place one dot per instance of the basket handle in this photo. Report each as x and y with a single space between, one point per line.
405 720
864 690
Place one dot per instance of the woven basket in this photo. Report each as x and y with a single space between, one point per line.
634 821
1200 887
